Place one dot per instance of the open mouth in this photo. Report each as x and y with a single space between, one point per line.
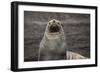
54 28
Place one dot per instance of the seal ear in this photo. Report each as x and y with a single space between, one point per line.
61 24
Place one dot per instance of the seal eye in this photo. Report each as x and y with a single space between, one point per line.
49 23
58 23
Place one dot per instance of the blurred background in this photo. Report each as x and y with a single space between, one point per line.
76 28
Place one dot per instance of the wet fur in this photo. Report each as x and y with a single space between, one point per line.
53 46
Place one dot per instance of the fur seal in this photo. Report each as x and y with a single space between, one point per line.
53 44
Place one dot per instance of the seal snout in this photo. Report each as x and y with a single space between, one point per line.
54 27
